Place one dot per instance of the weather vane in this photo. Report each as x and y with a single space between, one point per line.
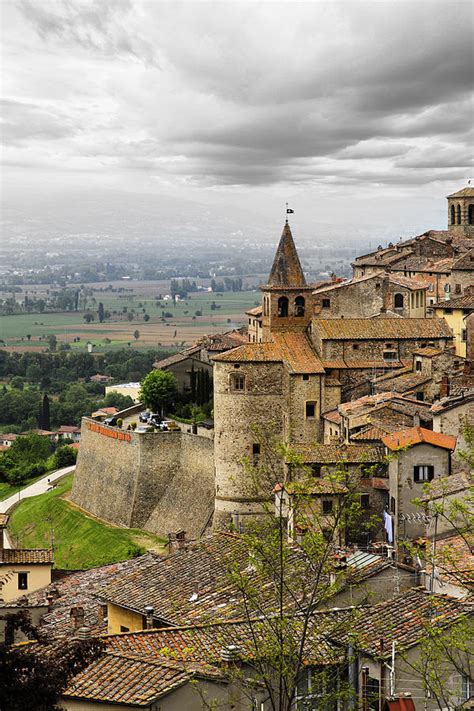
289 211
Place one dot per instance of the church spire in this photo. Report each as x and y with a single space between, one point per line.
286 270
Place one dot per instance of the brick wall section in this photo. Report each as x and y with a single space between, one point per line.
151 481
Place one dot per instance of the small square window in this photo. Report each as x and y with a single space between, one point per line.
355 346
327 506
326 303
310 409
306 377
238 382
420 396
316 469
22 581
364 501
256 449
423 472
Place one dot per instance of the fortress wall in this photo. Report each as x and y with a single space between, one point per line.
160 482
188 500
106 472
160 462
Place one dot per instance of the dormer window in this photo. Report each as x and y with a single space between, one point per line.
283 307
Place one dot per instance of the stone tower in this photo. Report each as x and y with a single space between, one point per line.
286 296
461 212
274 387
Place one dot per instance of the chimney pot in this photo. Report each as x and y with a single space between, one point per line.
149 610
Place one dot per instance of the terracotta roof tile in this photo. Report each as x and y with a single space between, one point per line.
465 262
403 619
293 349
381 329
448 485
332 416
464 192
339 453
12 556
466 301
257 311
418 435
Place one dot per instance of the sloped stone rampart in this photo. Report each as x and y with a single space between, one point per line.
160 482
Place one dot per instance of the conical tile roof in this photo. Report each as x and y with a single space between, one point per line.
286 269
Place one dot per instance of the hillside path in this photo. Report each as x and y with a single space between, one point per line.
39 487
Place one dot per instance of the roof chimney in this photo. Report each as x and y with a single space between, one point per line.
231 654
82 633
149 610
77 617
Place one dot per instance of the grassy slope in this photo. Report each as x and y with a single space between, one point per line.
80 541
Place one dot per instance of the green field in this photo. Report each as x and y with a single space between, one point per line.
79 541
182 328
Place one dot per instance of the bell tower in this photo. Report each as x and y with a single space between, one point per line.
286 297
461 212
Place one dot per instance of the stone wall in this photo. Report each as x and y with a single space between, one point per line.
160 482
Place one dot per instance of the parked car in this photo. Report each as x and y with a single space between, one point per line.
111 421
170 425
144 416
155 420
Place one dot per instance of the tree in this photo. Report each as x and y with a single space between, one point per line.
293 569
88 317
146 317
65 457
100 312
35 675
158 390
136 334
52 342
45 416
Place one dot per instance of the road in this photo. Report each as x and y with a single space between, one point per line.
39 487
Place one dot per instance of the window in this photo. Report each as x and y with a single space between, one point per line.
327 506
418 365
453 215
250 321
124 629
389 355
470 214
457 288
392 505
306 376
355 346
420 396
464 335
316 469
299 306
22 581
448 311
364 501
423 472
310 409
282 307
398 301
237 382
256 449
458 211
326 303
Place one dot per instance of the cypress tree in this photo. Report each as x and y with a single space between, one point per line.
45 414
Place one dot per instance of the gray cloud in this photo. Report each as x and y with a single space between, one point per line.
22 122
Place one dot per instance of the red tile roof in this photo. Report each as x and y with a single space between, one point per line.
418 435
20 556
403 619
381 329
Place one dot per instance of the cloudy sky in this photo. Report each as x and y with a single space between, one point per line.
355 112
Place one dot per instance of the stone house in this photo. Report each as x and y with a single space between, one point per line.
389 643
455 311
417 457
452 414
453 556
22 570
370 295
254 327
461 212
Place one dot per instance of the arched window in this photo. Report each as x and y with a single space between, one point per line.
398 301
282 307
453 215
459 214
299 306
470 214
